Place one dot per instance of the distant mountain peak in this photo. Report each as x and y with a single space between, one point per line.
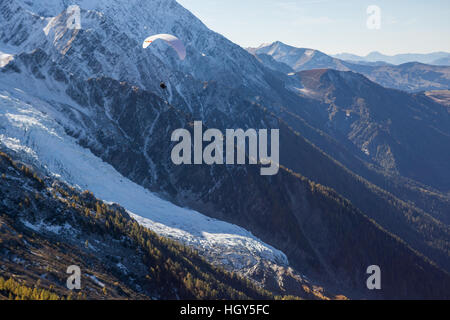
299 58
433 58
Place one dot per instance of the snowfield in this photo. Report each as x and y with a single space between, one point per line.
27 126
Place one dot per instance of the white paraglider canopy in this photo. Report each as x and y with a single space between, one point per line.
173 41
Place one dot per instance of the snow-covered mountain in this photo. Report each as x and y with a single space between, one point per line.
86 105
109 44
37 111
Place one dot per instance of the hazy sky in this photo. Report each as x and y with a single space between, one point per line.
333 26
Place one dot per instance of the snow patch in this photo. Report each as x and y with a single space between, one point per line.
42 226
98 282
5 58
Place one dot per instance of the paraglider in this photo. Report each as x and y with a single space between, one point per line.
171 40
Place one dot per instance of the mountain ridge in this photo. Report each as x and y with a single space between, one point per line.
408 76
375 56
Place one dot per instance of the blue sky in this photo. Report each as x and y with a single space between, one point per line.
333 26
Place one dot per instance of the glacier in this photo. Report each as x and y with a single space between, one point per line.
34 133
